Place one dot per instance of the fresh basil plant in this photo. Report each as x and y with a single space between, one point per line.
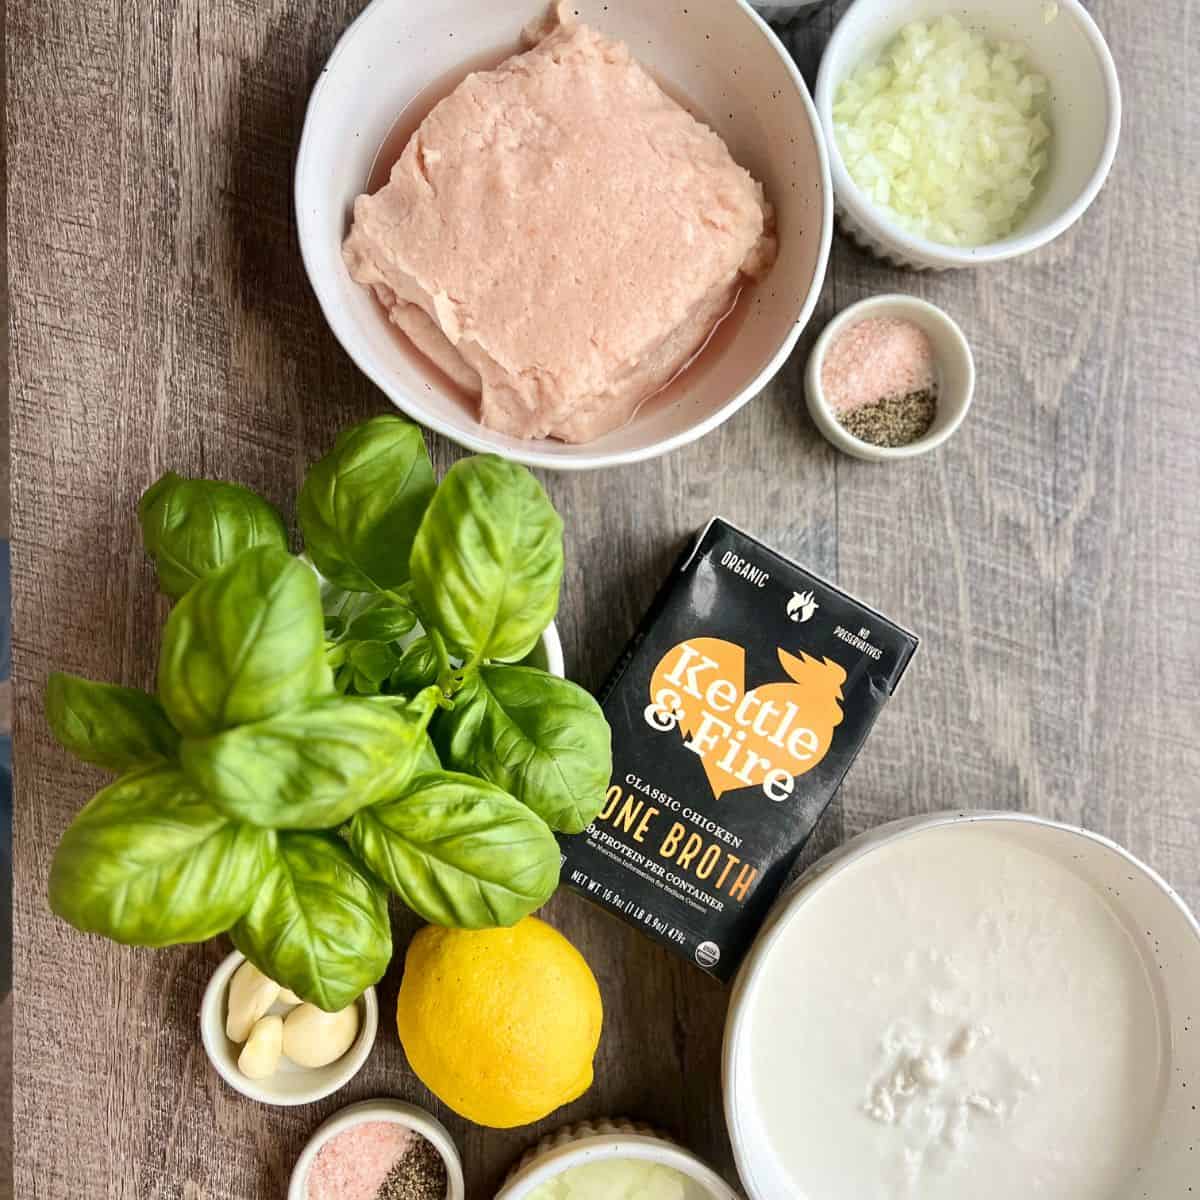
289 772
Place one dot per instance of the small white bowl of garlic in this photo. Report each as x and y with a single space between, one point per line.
268 1045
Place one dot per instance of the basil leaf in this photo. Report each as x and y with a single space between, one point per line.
388 623
194 527
541 738
243 645
115 727
487 562
373 662
362 685
427 757
418 667
361 504
342 608
311 767
459 851
150 862
319 923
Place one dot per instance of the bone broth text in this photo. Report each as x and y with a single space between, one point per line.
735 712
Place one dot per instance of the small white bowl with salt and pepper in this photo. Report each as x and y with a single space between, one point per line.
890 378
379 1150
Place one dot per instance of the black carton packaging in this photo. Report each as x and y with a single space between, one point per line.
736 710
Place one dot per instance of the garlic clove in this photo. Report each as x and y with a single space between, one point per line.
288 997
261 1053
314 1038
251 994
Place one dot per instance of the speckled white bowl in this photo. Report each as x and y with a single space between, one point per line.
592 1141
1147 905
1085 110
719 54
409 1115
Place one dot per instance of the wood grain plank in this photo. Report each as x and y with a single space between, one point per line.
160 318
1050 551
6 1004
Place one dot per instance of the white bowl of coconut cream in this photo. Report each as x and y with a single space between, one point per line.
969 1004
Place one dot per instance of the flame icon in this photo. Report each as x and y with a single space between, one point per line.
801 606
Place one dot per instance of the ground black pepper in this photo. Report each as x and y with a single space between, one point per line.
420 1174
892 421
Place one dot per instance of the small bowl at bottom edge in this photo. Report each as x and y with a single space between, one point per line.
409 1115
598 1140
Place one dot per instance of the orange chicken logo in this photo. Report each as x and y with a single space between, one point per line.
767 736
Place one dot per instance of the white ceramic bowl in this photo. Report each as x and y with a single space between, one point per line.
548 653
408 1115
592 1141
718 53
1142 898
1085 112
290 1084
955 375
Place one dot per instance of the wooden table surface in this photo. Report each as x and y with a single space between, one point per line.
1049 556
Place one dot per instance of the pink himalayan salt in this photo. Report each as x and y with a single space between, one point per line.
875 359
354 1165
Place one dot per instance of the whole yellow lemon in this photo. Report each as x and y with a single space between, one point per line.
500 1024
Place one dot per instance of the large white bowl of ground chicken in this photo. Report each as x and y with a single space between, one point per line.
554 260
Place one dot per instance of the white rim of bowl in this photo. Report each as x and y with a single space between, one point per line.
213 1002
545 458
833 863
866 211
552 642
600 1146
398 1112
821 411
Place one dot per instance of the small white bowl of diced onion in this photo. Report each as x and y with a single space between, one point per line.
966 132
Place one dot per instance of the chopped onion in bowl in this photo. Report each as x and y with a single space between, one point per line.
947 130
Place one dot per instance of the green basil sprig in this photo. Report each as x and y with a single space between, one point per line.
361 504
244 644
319 922
291 701
115 727
194 527
151 862
459 851
541 738
312 767
487 561
417 667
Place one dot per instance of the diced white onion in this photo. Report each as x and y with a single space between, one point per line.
947 130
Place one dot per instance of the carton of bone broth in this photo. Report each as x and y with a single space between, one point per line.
735 711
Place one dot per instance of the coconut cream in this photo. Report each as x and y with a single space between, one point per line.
955 1013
